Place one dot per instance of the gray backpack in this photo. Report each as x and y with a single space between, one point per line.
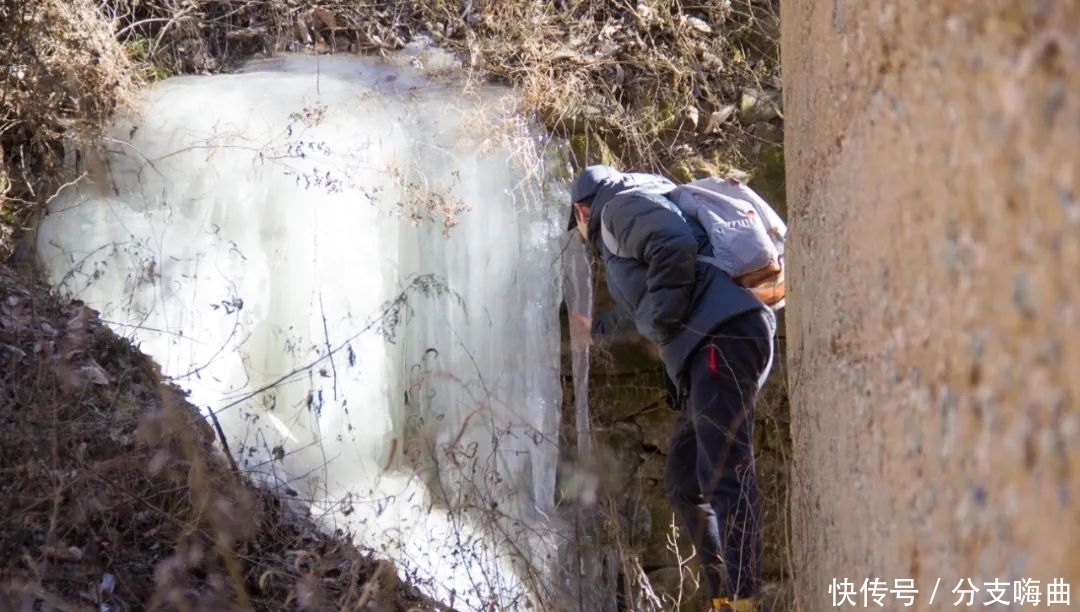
746 234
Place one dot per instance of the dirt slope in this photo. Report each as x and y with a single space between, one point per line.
114 497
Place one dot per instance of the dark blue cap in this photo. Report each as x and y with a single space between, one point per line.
586 185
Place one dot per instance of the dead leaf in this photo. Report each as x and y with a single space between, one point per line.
718 117
80 321
692 115
698 24
325 16
94 373
158 462
566 54
61 553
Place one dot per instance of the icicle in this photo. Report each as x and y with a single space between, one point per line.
355 268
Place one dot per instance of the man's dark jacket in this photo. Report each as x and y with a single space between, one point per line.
674 299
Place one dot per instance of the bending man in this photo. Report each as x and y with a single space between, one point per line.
716 341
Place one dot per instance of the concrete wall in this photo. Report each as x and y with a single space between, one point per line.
933 154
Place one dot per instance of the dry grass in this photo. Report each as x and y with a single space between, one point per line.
115 499
640 82
61 76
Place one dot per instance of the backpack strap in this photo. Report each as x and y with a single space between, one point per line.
609 240
605 234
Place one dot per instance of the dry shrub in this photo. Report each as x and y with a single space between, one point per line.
646 84
61 76
115 498
642 81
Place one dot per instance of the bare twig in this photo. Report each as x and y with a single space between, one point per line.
224 440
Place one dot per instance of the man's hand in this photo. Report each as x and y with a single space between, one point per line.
580 329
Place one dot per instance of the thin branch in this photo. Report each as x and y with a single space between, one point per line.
224 440
326 337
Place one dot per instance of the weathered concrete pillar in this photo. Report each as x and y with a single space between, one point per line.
933 156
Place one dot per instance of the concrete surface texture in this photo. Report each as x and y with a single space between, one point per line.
933 156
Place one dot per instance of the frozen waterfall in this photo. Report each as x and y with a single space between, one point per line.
353 262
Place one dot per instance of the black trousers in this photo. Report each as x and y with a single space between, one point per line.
711 479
